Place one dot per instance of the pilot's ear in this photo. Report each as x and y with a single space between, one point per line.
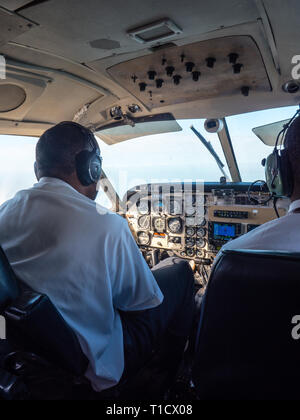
36 171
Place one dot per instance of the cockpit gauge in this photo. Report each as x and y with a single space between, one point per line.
201 242
200 211
176 207
158 206
201 232
190 210
159 224
190 242
144 222
190 252
190 232
200 221
190 221
201 200
143 206
144 238
175 225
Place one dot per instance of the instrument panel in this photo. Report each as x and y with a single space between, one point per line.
193 221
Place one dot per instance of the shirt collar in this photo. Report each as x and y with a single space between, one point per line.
55 181
294 206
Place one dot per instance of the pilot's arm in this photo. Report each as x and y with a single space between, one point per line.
134 287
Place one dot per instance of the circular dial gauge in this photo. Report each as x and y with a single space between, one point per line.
201 242
190 252
158 206
201 200
190 242
144 222
201 232
190 221
200 211
159 224
190 210
176 207
201 221
175 225
143 238
143 207
190 232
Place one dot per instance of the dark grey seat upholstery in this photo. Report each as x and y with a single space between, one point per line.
245 346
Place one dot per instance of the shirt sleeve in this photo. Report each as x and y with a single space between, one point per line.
134 287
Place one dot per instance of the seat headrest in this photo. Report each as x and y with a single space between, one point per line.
9 289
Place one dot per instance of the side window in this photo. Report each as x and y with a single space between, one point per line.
17 155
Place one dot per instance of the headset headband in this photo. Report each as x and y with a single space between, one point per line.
284 131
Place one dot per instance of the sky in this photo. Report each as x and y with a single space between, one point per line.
161 158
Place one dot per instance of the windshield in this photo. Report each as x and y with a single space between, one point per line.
181 156
249 149
171 157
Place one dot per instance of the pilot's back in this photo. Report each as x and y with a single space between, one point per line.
84 258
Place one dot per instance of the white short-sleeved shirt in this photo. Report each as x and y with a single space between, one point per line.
278 235
86 261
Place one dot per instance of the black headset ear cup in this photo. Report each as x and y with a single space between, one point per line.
88 167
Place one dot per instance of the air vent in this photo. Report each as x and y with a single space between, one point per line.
155 32
11 97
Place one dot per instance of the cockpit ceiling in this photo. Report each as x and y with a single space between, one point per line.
208 69
71 29
75 59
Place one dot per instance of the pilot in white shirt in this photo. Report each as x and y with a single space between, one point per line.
83 257
281 234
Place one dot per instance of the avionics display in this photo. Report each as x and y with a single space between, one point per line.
224 231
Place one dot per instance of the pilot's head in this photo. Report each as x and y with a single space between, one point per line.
292 144
71 153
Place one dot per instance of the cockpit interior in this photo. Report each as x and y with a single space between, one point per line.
186 100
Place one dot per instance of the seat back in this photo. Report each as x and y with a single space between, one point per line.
246 343
9 289
35 325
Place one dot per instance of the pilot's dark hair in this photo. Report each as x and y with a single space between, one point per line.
57 148
292 143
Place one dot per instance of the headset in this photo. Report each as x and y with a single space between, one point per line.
278 170
88 162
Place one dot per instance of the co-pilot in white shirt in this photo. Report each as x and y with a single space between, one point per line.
278 235
86 261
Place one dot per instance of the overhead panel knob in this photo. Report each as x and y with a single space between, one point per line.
245 91
177 79
237 68
189 66
211 61
233 58
143 86
170 71
152 74
159 83
196 75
